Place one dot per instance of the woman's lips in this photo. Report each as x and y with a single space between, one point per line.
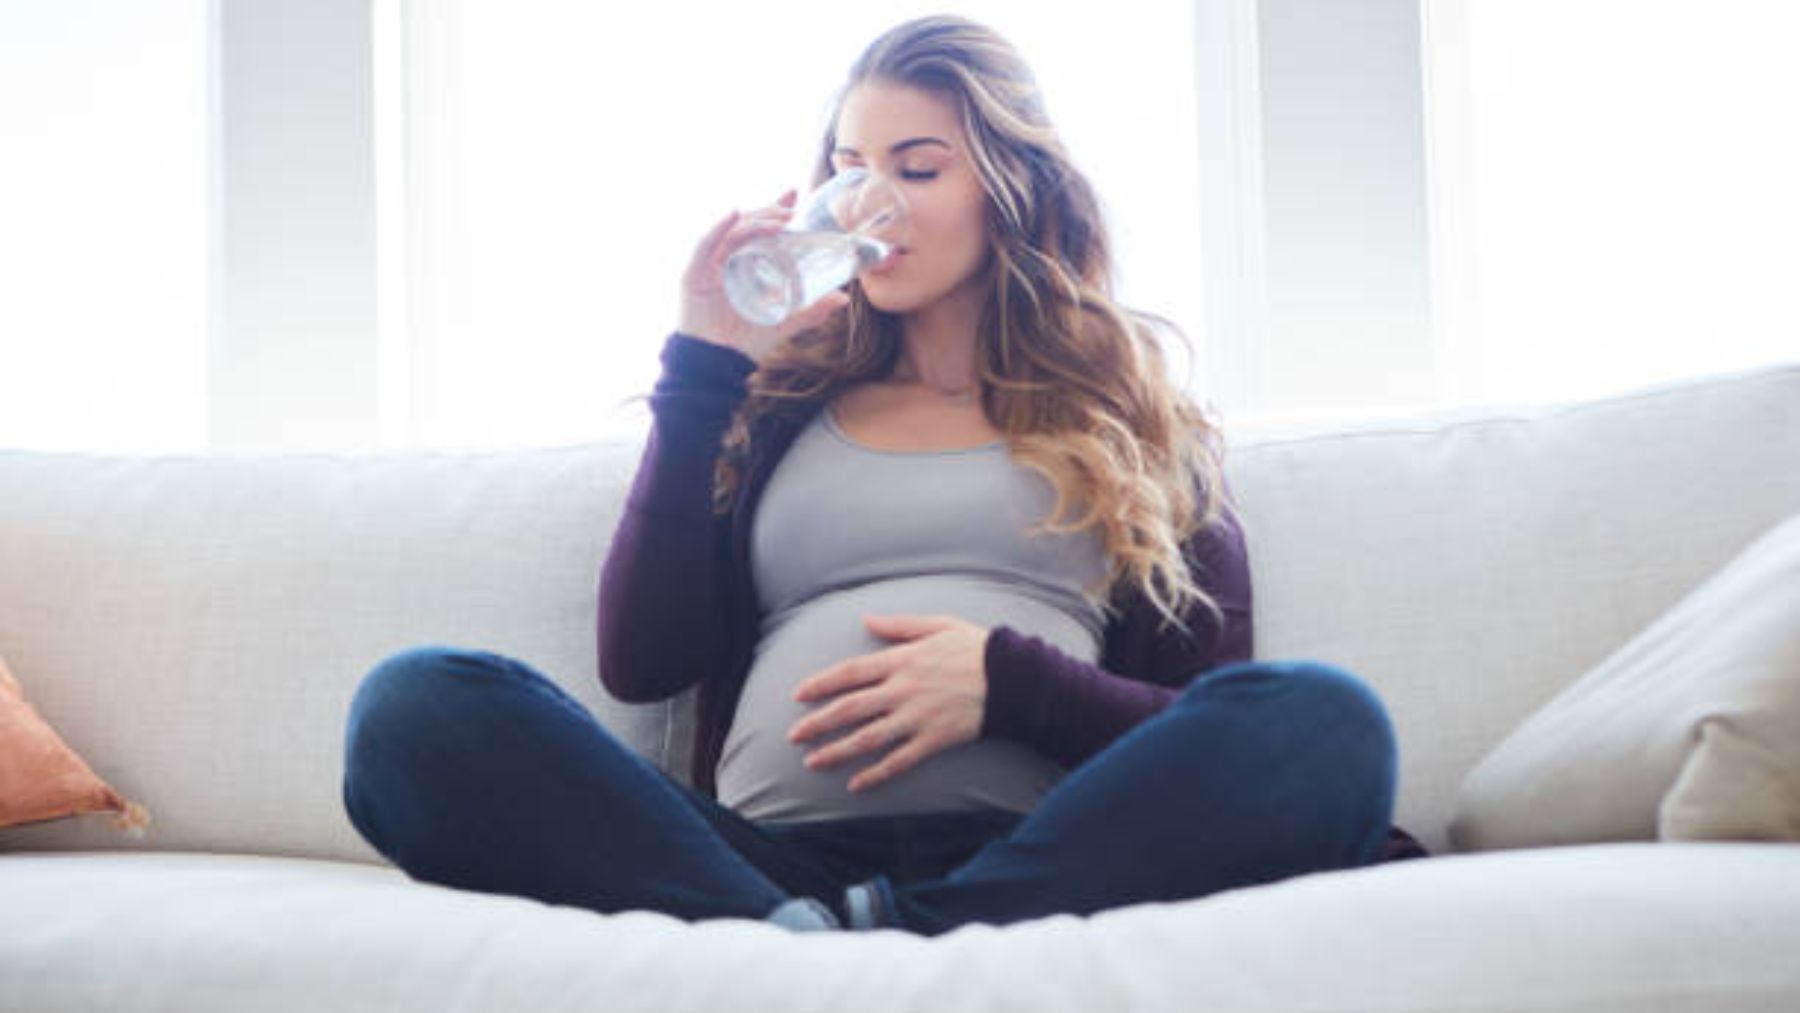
887 263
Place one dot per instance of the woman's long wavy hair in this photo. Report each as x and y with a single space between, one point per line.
1074 381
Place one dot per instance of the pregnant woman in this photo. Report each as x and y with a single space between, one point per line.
952 565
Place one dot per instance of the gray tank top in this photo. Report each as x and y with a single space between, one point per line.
844 529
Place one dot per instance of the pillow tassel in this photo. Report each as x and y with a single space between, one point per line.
134 820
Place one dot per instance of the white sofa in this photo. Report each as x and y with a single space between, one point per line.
195 626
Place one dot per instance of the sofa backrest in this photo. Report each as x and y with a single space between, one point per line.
196 625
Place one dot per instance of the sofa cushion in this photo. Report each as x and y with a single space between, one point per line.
1624 927
1471 565
1691 730
41 778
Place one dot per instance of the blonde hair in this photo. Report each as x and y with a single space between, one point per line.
1075 382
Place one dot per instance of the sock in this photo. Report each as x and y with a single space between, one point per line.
862 907
804 914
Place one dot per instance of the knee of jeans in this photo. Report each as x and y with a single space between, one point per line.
1328 696
395 691
1338 700
1336 694
1336 687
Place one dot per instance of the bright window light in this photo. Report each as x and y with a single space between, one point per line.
1614 197
104 225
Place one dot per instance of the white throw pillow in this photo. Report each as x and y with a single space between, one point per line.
1689 731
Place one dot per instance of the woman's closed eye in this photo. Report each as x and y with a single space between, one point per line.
844 164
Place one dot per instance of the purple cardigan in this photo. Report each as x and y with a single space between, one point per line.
677 605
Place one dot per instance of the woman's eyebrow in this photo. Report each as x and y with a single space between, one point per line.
911 142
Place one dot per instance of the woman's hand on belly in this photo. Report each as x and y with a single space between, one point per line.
921 697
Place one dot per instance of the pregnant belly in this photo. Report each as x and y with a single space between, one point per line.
762 775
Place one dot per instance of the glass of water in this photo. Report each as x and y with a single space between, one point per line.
831 236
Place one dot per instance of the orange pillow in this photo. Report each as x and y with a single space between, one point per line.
41 778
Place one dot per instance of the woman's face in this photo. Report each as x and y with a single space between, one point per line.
914 137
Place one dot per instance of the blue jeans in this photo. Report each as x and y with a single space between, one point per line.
471 770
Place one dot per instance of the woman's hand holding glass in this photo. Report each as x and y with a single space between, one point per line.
845 225
758 278
706 310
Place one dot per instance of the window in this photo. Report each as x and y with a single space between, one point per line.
105 243
1349 207
1613 195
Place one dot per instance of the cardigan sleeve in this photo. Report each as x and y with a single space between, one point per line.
1069 709
660 624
